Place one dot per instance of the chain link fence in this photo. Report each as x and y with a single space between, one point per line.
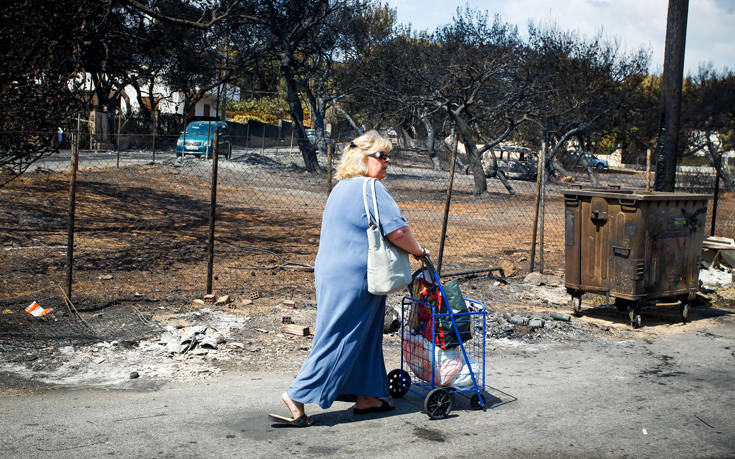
142 221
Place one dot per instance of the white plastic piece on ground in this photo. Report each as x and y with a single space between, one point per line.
35 309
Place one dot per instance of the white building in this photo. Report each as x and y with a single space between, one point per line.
173 102
169 102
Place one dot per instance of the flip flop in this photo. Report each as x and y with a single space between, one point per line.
384 406
302 421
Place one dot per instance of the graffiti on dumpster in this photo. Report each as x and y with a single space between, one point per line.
671 250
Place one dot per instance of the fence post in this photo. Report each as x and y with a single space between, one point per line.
539 178
72 206
155 128
714 202
212 211
542 212
446 205
262 145
247 135
290 147
330 156
118 141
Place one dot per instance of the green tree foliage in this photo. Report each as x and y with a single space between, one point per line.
264 109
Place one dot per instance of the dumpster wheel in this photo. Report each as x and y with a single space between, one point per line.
634 314
576 304
686 305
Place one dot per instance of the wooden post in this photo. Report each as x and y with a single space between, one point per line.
714 203
446 205
539 174
212 212
667 150
262 145
247 135
330 159
542 209
118 140
155 129
72 209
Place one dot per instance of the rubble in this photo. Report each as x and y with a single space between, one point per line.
524 314
180 341
536 323
560 316
297 330
508 266
392 322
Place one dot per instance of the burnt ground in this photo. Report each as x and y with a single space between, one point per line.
140 261
121 339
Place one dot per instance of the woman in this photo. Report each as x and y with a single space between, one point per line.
346 360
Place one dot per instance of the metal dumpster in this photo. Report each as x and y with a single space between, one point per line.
635 246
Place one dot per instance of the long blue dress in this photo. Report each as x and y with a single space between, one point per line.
346 358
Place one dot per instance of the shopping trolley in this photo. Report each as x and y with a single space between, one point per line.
442 345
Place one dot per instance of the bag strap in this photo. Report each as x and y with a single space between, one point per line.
375 202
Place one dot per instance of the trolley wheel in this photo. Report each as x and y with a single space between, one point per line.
576 304
686 305
398 383
438 403
477 402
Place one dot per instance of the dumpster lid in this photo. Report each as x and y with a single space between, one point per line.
637 195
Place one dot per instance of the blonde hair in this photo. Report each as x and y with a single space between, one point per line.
352 162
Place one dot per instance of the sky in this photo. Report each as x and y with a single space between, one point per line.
634 24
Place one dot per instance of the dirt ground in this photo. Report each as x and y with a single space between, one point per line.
140 262
62 350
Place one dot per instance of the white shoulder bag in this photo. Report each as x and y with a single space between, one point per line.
388 267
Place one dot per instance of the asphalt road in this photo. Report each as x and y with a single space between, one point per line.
671 396
110 158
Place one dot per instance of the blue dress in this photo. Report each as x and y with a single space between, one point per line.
346 358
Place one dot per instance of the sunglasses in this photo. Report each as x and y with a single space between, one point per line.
380 155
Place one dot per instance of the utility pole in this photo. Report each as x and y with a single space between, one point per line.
667 149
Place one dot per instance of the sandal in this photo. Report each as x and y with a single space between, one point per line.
303 421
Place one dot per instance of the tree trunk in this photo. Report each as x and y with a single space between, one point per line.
715 157
347 116
430 145
473 158
317 105
308 151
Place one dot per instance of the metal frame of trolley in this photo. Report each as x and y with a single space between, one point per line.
442 370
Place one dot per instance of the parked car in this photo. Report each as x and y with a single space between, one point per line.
599 164
198 139
514 169
519 170
311 135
